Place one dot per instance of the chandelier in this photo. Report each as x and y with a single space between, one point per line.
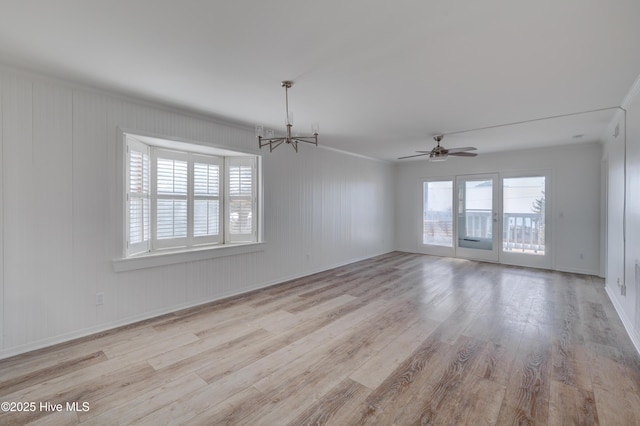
274 141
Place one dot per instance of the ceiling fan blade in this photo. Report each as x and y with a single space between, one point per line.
468 148
463 154
416 155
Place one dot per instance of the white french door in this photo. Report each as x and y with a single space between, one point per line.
489 217
460 217
478 217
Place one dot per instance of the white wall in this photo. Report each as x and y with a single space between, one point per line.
574 198
62 224
623 248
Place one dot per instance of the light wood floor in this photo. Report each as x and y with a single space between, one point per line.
398 339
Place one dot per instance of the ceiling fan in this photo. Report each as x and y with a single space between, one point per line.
440 153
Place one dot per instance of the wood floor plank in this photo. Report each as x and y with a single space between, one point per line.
238 376
395 339
474 402
587 411
62 418
398 387
49 372
193 320
43 390
294 320
143 350
563 405
146 403
47 357
598 328
612 375
617 407
571 366
306 377
528 390
206 406
439 396
202 349
92 392
233 411
497 361
297 342
334 407
480 402
377 368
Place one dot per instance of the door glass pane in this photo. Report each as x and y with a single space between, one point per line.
524 219
475 216
437 213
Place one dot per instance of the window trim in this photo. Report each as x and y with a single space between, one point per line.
127 261
163 258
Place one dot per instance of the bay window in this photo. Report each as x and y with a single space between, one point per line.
183 196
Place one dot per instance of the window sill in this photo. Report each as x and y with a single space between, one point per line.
172 257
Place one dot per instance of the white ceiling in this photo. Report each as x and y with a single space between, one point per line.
381 77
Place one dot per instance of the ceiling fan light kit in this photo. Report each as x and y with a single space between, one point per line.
275 141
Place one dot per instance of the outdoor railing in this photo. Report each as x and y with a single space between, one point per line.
521 232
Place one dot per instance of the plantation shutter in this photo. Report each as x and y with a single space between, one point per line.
206 200
137 215
170 198
241 199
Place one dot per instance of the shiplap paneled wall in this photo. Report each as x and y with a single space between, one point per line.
62 219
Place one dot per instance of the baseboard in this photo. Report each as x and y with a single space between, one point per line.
581 271
628 324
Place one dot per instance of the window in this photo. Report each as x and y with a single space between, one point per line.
437 213
181 196
524 215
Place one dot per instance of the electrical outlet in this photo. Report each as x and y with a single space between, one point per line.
99 299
